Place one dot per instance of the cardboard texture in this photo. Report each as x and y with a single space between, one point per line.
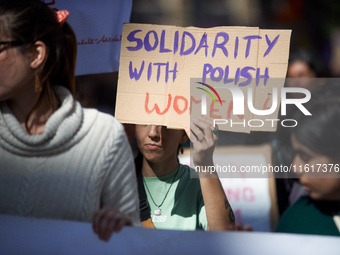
161 68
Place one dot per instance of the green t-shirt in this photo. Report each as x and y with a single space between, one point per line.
183 207
308 216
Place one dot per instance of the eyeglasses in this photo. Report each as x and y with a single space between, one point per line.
14 43
10 44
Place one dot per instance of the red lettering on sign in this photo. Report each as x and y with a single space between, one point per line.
248 194
193 100
176 107
245 194
265 105
156 108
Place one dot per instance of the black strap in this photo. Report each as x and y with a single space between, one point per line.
144 208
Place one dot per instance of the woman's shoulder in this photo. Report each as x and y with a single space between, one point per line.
188 173
189 181
296 209
186 168
303 201
106 132
103 121
99 128
91 118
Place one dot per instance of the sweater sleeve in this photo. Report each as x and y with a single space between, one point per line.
120 186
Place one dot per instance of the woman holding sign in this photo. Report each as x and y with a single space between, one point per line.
179 197
315 143
57 159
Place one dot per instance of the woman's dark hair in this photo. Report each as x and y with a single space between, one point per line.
29 21
311 59
320 132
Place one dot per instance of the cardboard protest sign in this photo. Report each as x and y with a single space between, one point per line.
98 28
162 66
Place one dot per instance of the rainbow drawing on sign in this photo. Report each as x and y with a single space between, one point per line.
212 89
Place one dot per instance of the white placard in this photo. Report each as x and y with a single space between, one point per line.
248 194
36 236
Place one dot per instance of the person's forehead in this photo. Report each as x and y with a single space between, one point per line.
299 64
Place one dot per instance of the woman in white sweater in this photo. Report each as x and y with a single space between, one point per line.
57 160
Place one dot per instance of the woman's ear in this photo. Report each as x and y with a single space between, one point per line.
184 138
38 54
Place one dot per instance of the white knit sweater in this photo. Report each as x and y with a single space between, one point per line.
81 163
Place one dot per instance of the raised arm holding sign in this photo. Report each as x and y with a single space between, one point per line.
175 199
